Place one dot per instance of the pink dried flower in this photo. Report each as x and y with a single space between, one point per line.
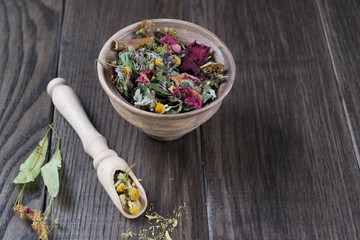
197 52
149 72
173 45
142 79
189 96
190 66
145 76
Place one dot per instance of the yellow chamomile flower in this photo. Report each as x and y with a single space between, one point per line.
127 70
133 194
159 108
159 63
134 207
177 60
121 188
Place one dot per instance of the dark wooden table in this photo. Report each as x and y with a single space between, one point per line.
279 160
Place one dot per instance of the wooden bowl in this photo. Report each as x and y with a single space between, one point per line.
168 127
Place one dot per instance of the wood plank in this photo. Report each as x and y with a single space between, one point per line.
170 171
279 159
341 22
28 45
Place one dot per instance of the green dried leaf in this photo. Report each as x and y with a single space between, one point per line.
50 174
143 96
121 82
160 77
158 89
30 169
188 83
126 58
208 94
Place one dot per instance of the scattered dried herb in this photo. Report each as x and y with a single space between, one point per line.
29 170
159 72
160 227
128 193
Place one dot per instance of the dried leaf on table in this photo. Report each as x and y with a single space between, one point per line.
50 173
30 169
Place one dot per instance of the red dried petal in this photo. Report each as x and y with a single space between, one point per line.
145 76
197 52
189 66
189 96
142 79
173 45
149 71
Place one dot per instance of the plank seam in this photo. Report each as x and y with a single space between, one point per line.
200 150
60 37
52 108
346 112
203 179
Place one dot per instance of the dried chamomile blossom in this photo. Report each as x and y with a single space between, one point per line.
128 193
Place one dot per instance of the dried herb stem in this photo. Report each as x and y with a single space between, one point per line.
31 169
20 196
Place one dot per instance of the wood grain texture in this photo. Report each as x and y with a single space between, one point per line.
29 34
279 160
171 172
341 22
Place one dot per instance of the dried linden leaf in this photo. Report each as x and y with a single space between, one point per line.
50 173
30 169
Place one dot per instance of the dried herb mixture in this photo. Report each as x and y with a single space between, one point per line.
160 227
128 193
158 72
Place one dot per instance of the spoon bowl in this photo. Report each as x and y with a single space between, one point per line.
106 171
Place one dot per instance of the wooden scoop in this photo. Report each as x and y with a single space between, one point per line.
106 161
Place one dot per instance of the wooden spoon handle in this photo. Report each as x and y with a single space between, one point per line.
69 105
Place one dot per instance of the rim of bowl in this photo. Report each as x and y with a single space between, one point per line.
119 99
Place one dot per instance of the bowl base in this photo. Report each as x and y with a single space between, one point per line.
165 138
